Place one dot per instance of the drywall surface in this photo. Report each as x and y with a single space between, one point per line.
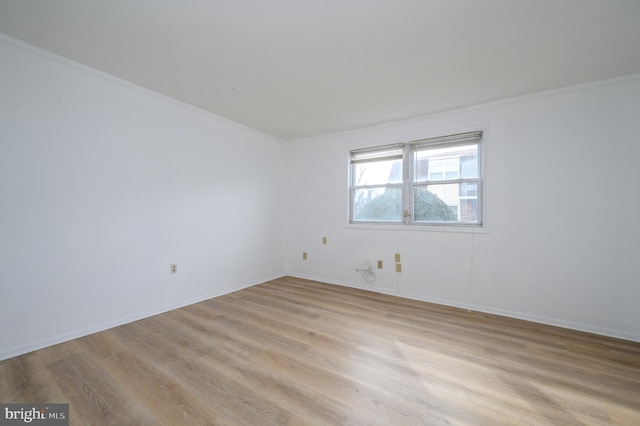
560 241
103 185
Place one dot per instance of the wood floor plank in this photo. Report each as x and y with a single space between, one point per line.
100 345
29 379
297 352
159 393
304 404
95 395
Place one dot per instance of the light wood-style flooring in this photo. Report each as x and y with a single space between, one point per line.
299 352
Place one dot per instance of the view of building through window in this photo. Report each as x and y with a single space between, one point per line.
450 164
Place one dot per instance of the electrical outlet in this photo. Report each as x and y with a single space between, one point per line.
173 268
397 257
398 267
304 255
379 264
324 240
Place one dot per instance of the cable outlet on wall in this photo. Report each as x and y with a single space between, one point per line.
379 264
173 268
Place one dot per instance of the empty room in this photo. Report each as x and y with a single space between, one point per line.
410 212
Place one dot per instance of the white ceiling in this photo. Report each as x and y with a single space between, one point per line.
300 68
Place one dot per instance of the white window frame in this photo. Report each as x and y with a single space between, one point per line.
410 183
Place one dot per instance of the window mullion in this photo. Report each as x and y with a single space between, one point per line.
407 190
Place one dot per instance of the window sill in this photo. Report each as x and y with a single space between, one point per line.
468 229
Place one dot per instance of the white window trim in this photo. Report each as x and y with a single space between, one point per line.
408 184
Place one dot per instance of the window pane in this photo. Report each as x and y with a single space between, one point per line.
469 210
452 168
378 204
429 204
378 172
437 163
469 165
469 190
443 203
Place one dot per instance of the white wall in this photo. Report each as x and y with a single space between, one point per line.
561 208
103 185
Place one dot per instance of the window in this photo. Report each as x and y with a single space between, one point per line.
431 181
